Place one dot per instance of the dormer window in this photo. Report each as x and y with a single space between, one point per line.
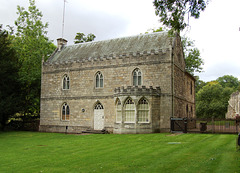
99 80
137 77
65 82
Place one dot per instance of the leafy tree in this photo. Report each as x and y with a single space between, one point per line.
193 58
9 83
81 38
229 81
199 84
212 100
31 44
173 12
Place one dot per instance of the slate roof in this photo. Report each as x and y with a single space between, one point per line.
113 47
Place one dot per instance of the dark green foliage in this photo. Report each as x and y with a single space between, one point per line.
212 100
173 12
193 59
9 83
199 84
31 44
229 81
81 38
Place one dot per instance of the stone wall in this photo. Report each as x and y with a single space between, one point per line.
233 106
160 68
184 85
117 72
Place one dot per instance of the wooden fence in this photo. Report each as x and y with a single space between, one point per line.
200 125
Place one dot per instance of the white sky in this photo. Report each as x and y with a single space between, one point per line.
216 32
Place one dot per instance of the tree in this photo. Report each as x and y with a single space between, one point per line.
173 12
229 81
199 84
9 83
31 44
81 38
212 100
193 58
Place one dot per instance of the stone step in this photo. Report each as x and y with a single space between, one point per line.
95 131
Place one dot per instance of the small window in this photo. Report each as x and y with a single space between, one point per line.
65 112
143 111
129 111
66 82
99 80
187 110
137 77
119 111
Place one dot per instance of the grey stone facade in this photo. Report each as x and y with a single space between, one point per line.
233 106
165 86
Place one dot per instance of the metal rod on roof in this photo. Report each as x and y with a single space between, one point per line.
63 17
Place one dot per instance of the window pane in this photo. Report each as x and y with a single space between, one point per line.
134 80
64 82
129 111
67 87
101 83
63 112
139 80
143 111
68 111
97 80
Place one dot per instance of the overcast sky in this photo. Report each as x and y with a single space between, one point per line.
216 32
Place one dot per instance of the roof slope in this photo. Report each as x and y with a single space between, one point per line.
118 46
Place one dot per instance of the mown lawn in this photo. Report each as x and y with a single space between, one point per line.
52 152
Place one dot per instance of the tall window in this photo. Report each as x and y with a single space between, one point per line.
137 77
99 80
129 111
119 111
65 112
66 82
143 111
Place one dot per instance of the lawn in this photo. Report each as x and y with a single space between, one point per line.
52 152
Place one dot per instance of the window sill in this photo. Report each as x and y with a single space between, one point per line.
126 122
143 122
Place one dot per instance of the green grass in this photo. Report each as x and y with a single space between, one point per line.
51 152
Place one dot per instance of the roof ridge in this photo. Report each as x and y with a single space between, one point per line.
119 38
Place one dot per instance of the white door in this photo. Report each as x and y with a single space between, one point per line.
98 117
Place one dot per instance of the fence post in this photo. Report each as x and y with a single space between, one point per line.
185 125
213 126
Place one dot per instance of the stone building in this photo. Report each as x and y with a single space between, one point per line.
233 106
124 85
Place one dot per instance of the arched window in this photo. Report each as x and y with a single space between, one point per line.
143 111
137 77
99 80
129 111
119 111
66 82
65 112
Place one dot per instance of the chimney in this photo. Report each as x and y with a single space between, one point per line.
61 42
